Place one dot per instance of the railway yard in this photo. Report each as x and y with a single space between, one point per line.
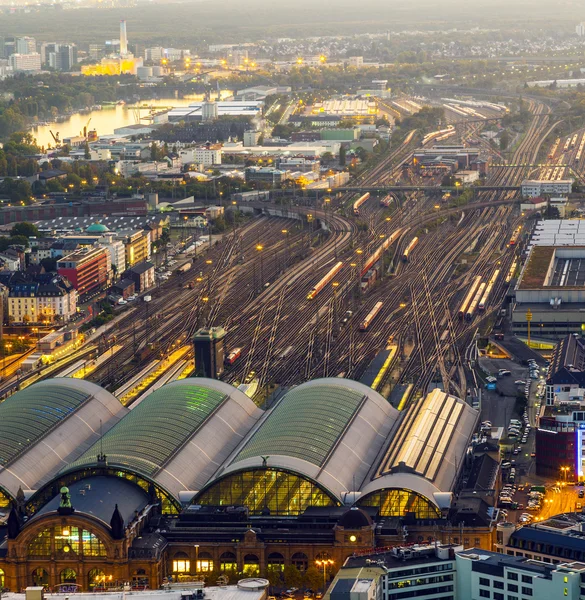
320 288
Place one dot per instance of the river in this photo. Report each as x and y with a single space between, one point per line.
109 118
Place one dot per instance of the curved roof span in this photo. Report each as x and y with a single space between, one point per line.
328 430
425 454
179 435
45 426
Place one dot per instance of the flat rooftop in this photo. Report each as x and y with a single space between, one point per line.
389 560
553 267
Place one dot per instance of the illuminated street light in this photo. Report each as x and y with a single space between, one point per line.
327 562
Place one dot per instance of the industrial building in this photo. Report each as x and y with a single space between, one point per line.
207 111
532 188
330 469
452 157
551 286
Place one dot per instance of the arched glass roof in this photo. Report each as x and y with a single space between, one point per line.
49 423
330 431
163 437
31 413
307 424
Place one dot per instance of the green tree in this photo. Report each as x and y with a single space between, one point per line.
292 576
342 155
274 576
313 579
87 155
25 228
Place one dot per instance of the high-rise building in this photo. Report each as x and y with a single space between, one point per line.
209 353
66 57
26 45
7 47
47 48
580 29
96 51
123 39
25 62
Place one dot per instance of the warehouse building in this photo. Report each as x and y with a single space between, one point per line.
550 292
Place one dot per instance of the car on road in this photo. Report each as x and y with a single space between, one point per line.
581 493
520 382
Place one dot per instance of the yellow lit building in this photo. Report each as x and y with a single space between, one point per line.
137 244
113 66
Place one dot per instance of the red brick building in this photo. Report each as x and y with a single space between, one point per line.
87 269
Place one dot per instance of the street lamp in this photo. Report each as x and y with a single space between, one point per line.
260 247
326 562
196 558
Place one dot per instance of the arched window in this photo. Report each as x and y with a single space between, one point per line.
205 562
92 545
68 576
397 502
251 565
41 544
275 562
40 577
181 563
228 562
300 560
96 578
281 492
67 541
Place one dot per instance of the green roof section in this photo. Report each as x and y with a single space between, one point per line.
30 414
306 424
151 434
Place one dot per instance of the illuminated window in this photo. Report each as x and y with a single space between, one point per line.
399 502
275 562
67 539
181 563
228 562
41 544
181 566
205 562
251 565
280 492
40 577
92 545
68 576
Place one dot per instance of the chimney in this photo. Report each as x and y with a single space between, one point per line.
123 39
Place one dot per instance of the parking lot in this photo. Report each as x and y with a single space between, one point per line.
503 408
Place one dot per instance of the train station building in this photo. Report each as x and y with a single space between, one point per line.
196 479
